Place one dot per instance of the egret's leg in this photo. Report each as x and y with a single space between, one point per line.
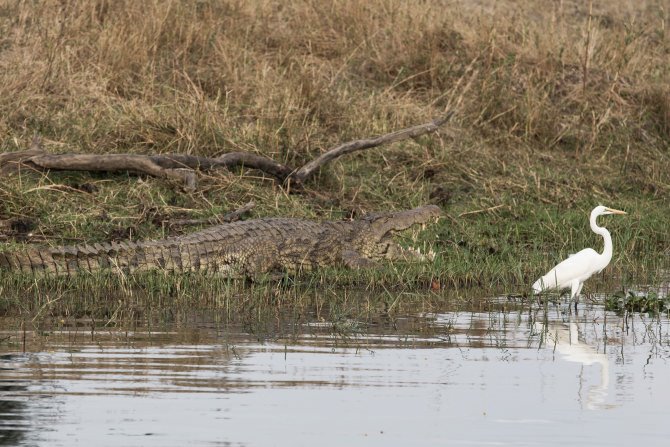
579 291
575 288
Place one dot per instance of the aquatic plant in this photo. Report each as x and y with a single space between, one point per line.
633 301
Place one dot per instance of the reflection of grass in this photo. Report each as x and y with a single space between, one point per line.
264 310
649 303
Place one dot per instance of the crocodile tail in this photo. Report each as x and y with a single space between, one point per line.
169 255
25 262
58 261
126 257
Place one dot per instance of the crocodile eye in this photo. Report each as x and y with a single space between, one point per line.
384 248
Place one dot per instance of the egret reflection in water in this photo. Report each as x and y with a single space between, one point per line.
565 339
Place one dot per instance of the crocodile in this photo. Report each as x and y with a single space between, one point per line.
239 249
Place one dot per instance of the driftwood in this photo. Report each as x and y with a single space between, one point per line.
178 167
182 167
411 132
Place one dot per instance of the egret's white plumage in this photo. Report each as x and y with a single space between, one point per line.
579 267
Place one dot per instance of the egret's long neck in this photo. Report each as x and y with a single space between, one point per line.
607 252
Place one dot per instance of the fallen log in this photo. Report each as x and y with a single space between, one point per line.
183 167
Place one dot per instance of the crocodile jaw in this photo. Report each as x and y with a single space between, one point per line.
383 225
377 242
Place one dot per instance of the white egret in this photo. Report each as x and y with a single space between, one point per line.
579 267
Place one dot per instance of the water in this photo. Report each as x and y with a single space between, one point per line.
520 377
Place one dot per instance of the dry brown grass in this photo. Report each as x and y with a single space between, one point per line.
289 79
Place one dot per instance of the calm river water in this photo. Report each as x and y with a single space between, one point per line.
529 376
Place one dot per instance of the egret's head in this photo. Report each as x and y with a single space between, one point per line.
601 210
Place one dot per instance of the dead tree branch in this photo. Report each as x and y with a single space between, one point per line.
141 164
357 145
183 167
229 160
179 167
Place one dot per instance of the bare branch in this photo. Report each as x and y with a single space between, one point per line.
267 165
182 167
111 162
178 167
11 161
229 160
357 145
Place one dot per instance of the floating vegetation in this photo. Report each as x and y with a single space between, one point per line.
633 301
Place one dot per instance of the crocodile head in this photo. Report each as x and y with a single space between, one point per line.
376 240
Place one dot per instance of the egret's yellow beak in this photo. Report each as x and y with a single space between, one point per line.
613 211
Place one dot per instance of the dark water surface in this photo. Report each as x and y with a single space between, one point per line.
525 375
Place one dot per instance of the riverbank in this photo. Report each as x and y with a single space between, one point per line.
557 109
